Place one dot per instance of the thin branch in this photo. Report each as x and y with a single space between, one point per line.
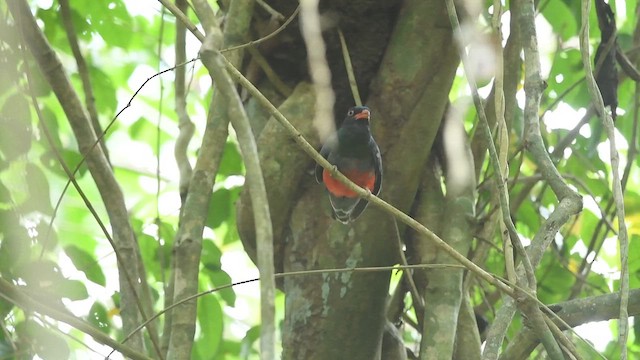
278 84
186 126
349 67
408 275
274 33
274 13
623 325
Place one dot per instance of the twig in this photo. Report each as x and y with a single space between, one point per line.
284 89
349 68
274 13
408 275
274 33
623 325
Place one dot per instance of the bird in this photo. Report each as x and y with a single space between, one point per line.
354 152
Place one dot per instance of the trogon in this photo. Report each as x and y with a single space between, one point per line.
355 153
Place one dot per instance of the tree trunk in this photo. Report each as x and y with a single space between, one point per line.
342 315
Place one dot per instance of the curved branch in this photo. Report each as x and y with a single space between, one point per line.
186 126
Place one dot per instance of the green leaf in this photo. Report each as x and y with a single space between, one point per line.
211 255
112 21
15 244
71 158
146 131
38 187
98 317
86 263
149 248
210 318
73 290
250 337
212 267
561 18
220 278
51 122
219 207
47 236
231 162
104 91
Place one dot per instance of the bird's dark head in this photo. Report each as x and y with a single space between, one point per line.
359 113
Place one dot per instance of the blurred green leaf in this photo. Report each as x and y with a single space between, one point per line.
561 18
47 344
86 263
251 336
99 318
231 163
210 318
73 290
112 21
220 278
38 187
219 208
71 159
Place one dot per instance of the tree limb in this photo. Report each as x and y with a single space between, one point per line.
13 294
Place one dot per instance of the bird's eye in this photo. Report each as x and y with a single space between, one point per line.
350 113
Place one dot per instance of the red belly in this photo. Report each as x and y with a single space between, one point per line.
364 179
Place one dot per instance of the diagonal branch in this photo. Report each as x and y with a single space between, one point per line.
13 294
98 165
